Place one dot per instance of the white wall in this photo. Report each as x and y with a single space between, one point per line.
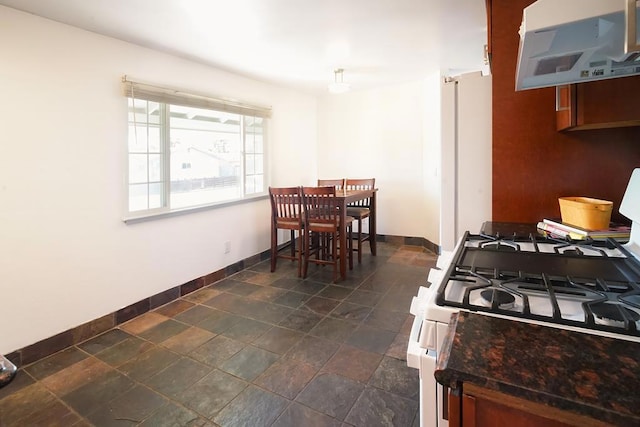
66 257
392 134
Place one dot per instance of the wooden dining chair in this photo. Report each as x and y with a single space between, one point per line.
286 214
337 183
360 211
323 228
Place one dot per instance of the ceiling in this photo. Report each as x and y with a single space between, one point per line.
294 43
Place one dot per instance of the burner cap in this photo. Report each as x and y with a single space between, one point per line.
505 299
606 311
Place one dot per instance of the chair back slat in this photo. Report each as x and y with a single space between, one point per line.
321 208
337 183
286 206
360 184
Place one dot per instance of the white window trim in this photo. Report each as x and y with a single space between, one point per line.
178 97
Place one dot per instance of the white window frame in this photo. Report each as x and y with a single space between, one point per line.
167 97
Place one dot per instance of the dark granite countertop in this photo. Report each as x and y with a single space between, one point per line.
589 375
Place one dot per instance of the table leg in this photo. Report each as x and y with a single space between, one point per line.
372 224
343 240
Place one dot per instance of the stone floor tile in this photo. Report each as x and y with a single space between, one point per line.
320 305
174 307
362 297
212 393
104 341
385 319
202 295
287 282
252 407
188 340
195 314
393 375
246 330
21 404
219 321
244 289
309 287
286 377
255 277
56 362
300 320
267 312
163 331
267 293
371 339
379 408
226 302
249 362
173 415
351 312
335 292
396 302
292 299
353 363
278 340
334 329
178 376
90 397
216 351
398 348
308 365
131 408
76 375
149 363
312 350
331 394
20 381
297 415
123 351
141 323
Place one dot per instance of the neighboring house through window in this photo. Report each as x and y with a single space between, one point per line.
188 151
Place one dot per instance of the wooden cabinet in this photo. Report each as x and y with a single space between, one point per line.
474 406
487 53
598 105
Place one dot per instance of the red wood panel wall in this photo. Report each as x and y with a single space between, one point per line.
533 164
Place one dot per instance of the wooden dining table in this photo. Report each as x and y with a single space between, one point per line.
349 196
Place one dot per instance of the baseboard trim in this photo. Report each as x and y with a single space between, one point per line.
68 338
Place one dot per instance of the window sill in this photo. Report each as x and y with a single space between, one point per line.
150 216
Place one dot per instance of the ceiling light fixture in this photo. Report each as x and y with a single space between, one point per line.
338 85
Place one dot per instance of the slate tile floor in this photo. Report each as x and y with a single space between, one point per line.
255 349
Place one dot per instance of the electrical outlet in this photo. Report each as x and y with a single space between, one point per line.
227 247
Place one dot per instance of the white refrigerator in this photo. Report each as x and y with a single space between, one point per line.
466 156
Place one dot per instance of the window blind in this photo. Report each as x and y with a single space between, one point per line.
165 95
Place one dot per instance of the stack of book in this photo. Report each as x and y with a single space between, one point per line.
556 228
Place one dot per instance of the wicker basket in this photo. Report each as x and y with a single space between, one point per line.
585 212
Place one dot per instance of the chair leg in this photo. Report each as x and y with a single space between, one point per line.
359 241
274 247
350 247
293 244
305 252
300 252
336 258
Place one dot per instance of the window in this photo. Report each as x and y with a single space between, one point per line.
187 151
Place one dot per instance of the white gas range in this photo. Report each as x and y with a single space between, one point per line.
586 286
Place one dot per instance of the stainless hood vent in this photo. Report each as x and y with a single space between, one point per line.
572 41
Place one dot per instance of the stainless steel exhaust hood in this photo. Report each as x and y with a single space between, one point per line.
572 41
